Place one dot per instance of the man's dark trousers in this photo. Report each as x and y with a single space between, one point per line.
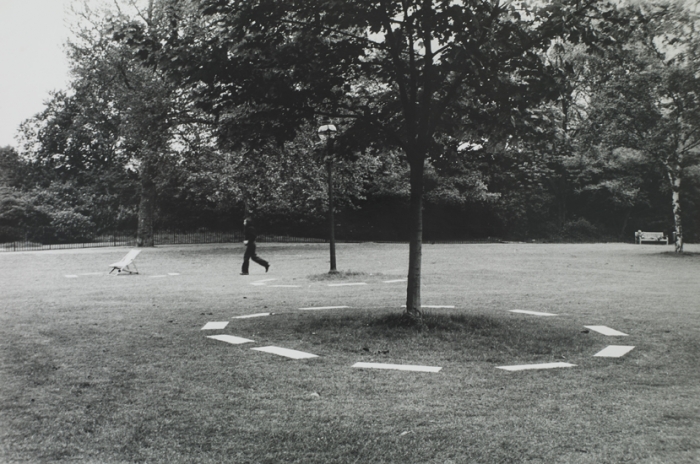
250 254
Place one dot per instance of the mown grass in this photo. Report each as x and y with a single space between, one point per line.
116 369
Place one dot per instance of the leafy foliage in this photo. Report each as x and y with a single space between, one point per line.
558 121
650 101
419 76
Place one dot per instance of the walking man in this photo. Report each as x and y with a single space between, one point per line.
249 237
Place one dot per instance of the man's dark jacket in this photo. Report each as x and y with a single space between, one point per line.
249 233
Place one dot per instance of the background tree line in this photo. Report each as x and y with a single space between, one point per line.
190 114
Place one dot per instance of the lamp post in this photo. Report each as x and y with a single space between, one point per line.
327 134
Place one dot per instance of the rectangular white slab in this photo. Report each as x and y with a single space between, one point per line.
294 354
605 330
252 315
524 367
614 351
532 313
215 325
434 306
173 273
323 307
398 367
395 281
230 339
348 284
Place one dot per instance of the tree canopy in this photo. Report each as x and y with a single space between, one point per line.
561 120
421 76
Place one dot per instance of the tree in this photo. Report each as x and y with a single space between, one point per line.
418 75
149 113
118 122
9 166
70 149
650 101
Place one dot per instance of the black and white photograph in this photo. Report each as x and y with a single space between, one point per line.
350 231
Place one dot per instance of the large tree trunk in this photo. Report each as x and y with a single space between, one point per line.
144 234
674 176
415 253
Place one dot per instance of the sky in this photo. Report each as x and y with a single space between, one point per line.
32 59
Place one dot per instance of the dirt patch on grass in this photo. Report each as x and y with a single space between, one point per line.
340 275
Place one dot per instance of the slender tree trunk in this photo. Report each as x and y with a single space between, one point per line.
676 201
674 171
561 214
628 213
144 235
415 253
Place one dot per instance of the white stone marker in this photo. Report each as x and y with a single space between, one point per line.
398 367
395 281
614 351
434 306
230 339
215 325
605 330
173 273
524 367
318 308
347 284
294 354
532 313
252 315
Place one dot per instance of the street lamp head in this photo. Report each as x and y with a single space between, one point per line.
327 132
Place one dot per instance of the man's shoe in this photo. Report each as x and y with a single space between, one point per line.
244 273
267 266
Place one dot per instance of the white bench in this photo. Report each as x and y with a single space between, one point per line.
126 262
650 237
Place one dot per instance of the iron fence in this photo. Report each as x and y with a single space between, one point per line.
159 238
197 237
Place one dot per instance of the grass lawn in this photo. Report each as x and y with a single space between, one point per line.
116 369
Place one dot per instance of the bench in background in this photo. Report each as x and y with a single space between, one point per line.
650 237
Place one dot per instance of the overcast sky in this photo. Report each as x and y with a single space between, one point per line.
32 61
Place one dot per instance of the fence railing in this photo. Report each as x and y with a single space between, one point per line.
191 238
101 241
159 238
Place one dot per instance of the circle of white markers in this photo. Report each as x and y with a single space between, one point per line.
612 351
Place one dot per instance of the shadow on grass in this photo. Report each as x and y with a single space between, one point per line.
401 323
435 322
685 254
471 337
